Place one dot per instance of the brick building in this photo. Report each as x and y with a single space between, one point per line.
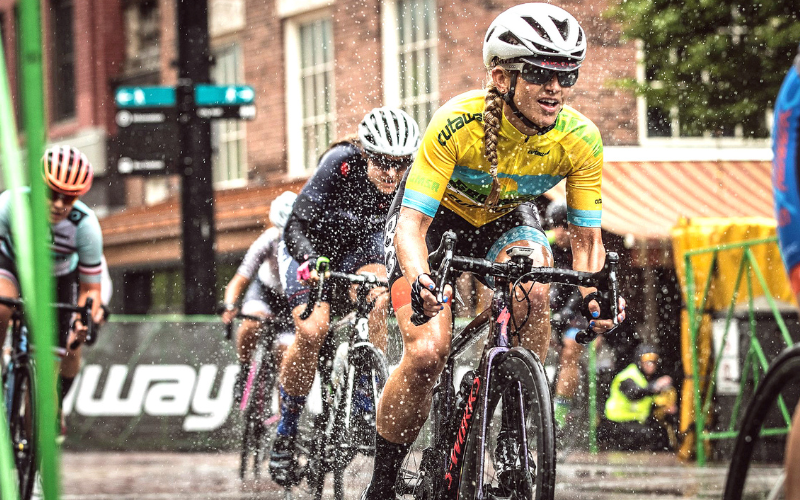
317 66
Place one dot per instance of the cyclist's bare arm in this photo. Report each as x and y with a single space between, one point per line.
412 255
233 291
589 254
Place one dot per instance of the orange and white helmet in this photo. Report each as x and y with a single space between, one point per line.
67 171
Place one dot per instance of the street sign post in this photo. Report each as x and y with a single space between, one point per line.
166 130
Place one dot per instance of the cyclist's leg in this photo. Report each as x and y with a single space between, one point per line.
254 303
297 370
531 304
369 258
568 375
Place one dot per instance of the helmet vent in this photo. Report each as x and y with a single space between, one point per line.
542 48
537 27
562 26
509 38
489 35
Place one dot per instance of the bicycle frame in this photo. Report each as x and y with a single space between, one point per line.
449 454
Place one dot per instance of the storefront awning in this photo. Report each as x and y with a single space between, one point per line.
646 199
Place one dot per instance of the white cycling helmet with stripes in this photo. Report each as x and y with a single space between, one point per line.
536 33
389 131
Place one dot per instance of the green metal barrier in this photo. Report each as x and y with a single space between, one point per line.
755 363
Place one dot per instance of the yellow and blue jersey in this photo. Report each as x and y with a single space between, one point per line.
451 168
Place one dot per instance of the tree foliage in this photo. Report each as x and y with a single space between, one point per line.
718 62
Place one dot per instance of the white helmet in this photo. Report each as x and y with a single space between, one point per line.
281 208
389 131
536 33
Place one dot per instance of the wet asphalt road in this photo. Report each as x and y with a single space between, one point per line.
195 476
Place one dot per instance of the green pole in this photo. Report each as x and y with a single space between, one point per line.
10 156
35 263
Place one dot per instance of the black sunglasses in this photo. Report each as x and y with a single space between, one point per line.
65 198
385 163
540 76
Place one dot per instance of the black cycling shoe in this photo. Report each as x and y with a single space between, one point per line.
282 463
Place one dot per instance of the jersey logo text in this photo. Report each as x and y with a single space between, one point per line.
454 125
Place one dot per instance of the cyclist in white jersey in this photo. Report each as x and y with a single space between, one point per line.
77 250
259 275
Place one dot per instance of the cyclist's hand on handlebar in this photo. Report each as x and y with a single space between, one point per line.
308 272
597 316
227 312
423 297
77 334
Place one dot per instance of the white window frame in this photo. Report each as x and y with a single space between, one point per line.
226 132
391 61
676 140
295 154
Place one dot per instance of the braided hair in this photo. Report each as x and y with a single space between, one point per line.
492 115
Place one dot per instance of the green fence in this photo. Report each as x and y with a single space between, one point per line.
755 360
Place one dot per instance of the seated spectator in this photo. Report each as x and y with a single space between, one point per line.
640 406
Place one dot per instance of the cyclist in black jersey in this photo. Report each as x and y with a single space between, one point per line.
338 217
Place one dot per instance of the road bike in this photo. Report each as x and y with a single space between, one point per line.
779 383
352 374
258 418
495 437
19 389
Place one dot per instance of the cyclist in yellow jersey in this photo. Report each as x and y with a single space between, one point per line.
485 155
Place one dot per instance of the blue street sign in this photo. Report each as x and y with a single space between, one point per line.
223 95
145 97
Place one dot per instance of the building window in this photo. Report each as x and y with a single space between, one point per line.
229 157
663 123
309 83
62 89
142 37
411 79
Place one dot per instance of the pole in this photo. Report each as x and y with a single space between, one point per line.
35 269
197 194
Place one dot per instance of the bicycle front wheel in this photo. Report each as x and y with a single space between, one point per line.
352 436
22 427
510 451
780 378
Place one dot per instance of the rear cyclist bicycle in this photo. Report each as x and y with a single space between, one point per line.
339 215
77 251
258 274
484 156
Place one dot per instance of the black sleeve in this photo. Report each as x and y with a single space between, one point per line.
294 234
633 391
319 192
